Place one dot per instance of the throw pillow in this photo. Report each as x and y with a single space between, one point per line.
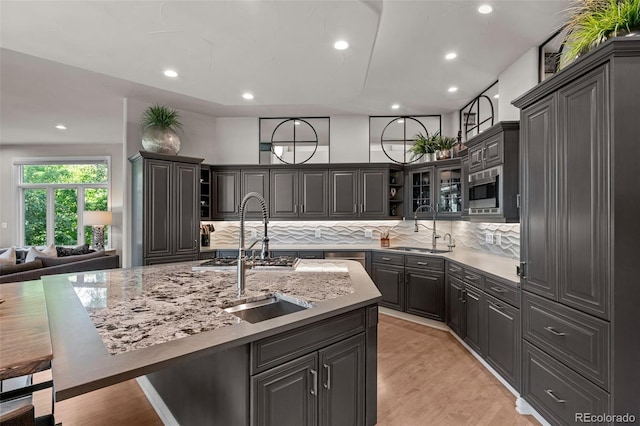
8 257
72 251
49 251
20 267
55 261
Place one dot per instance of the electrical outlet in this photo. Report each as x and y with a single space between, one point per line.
498 239
368 233
488 238
254 233
318 233
4 225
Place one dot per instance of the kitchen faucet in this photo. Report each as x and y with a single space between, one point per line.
264 253
435 236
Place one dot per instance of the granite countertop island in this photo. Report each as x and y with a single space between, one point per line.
111 326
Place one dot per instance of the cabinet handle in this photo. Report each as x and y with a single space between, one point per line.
327 384
195 244
498 289
301 208
355 208
361 208
522 270
314 384
422 263
499 307
464 296
554 397
554 331
471 278
386 259
295 208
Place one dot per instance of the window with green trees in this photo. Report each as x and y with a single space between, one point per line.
54 195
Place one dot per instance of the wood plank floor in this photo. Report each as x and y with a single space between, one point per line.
425 377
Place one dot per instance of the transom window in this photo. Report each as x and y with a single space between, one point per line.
54 193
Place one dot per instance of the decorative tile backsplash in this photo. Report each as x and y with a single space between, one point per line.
472 235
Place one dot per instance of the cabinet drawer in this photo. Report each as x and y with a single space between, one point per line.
311 254
390 258
275 350
578 339
506 292
556 391
424 262
472 278
455 270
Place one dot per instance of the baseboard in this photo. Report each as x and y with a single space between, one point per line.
522 406
156 402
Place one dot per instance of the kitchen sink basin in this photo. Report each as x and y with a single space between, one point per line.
419 250
262 310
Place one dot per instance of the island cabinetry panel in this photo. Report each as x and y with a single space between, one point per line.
165 208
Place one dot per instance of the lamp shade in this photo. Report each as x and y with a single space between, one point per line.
93 218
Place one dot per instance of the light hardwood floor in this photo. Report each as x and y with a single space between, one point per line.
425 377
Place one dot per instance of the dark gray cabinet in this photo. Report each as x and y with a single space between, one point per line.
206 202
475 321
299 193
326 387
579 234
359 193
390 281
254 181
226 194
424 293
487 154
455 305
165 208
439 186
503 339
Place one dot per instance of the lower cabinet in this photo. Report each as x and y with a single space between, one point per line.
475 319
503 339
326 387
390 281
455 305
424 293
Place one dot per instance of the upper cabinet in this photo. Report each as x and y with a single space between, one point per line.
438 185
359 193
226 194
299 193
205 192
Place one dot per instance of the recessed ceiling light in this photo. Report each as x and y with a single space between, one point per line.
453 89
451 55
170 73
395 106
496 96
485 8
248 96
341 45
61 127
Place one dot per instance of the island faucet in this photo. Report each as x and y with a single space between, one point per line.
264 253
435 236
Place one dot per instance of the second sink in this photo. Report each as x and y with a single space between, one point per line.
419 250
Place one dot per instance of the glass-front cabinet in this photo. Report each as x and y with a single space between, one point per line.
449 191
421 187
439 185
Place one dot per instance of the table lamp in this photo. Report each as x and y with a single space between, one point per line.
97 220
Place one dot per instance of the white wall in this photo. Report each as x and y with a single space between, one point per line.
349 139
9 193
521 76
235 141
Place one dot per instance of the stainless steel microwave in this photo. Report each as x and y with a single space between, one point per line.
485 192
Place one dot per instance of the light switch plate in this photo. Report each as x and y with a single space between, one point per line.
4 225
254 233
318 233
488 238
497 239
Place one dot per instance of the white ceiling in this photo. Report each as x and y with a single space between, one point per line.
74 61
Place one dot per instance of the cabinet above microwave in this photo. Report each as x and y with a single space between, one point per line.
494 153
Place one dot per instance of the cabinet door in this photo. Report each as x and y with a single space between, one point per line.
158 209
493 151
390 281
583 185
314 193
503 339
286 395
226 187
449 191
422 183
475 158
255 181
455 313
343 193
186 222
425 293
475 322
205 192
284 193
538 189
342 372
373 193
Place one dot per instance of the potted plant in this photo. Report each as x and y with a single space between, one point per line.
445 145
424 146
159 125
592 22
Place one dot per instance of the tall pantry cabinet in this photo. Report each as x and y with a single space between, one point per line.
580 229
165 200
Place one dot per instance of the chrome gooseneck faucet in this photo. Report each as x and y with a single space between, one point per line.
264 253
435 236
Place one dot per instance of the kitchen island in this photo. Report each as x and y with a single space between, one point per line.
168 323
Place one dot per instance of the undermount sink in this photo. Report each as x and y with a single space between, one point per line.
419 250
262 310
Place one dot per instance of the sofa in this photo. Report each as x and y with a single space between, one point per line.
28 271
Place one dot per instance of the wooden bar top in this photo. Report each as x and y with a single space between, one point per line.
25 343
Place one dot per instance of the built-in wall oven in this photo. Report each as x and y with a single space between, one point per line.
485 192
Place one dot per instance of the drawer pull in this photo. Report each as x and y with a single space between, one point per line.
554 331
498 290
309 256
314 378
471 277
555 398
455 268
495 305
386 259
422 263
